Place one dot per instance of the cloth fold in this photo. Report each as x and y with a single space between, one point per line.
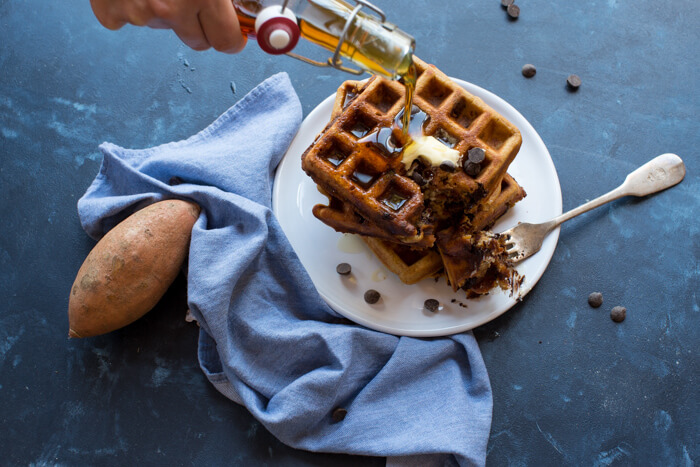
267 339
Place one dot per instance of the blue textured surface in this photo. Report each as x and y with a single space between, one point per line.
570 386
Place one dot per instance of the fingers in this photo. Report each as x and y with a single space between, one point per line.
107 14
189 30
199 24
138 12
221 29
115 14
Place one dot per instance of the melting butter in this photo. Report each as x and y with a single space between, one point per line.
430 150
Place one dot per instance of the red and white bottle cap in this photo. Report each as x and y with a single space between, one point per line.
277 31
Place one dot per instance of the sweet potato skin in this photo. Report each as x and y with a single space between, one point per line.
130 268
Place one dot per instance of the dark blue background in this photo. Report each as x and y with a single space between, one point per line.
570 386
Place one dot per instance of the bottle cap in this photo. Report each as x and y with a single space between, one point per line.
277 31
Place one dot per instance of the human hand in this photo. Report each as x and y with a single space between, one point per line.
200 24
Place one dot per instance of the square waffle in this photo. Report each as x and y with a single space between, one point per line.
372 179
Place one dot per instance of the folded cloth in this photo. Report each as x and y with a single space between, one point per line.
267 339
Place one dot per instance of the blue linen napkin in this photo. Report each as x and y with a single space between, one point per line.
267 340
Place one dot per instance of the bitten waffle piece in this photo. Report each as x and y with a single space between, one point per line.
358 157
414 264
411 265
474 259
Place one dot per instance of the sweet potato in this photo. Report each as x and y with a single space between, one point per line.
130 268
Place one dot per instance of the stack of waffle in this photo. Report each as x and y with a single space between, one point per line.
419 220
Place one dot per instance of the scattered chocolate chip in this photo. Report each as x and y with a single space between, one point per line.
432 305
447 166
476 155
539 342
472 169
372 296
529 70
506 3
339 414
343 269
174 181
574 82
513 11
618 314
595 299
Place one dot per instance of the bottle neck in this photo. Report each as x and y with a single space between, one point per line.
379 48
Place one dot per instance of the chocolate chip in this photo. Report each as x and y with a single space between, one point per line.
418 178
343 269
447 166
529 70
618 314
506 3
513 11
472 169
574 82
595 299
174 181
339 414
372 296
476 155
431 305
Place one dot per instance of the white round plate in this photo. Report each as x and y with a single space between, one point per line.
400 310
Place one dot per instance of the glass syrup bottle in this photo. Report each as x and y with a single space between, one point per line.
359 34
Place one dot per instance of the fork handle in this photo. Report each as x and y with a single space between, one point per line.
660 173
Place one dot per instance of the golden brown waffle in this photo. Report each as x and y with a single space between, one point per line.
413 265
373 180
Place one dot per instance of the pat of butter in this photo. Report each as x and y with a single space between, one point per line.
430 150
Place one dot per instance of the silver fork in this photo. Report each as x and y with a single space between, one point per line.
664 171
